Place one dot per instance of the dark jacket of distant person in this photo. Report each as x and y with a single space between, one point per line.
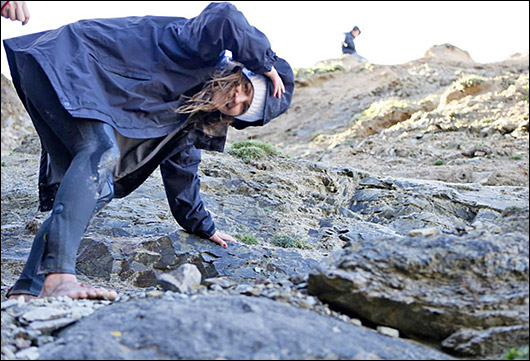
348 45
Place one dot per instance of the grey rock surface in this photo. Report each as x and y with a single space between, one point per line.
449 284
222 327
437 247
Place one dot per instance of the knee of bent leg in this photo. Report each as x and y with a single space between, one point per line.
102 158
109 159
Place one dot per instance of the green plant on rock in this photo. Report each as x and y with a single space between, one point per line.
382 107
366 67
438 162
519 353
247 239
285 241
251 150
308 72
471 81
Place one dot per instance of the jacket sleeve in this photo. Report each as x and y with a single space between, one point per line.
182 185
221 26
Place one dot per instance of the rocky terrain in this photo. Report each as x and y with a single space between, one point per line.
392 222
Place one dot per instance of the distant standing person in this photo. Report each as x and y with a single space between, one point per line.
348 45
15 10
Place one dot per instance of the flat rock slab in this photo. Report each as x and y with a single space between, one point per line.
139 262
234 327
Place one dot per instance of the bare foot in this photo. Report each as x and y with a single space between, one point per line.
26 297
62 284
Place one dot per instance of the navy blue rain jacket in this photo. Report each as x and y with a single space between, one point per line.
133 72
348 45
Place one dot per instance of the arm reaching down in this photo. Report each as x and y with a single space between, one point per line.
182 185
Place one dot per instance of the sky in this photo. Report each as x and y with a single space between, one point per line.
303 33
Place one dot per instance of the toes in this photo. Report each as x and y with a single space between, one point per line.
112 295
77 294
98 293
102 293
91 293
81 291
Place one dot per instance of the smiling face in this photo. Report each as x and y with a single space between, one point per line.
238 100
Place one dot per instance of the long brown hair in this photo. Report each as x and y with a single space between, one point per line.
223 82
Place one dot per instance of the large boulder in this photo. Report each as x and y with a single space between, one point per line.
233 328
448 53
470 292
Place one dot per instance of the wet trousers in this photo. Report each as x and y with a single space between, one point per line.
84 152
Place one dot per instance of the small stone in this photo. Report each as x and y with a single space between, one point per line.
44 340
31 353
216 288
43 314
69 302
39 302
309 301
282 296
183 279
301 286
155 293
356 322
222 282
387 331
76 315
51 325
9 303
424 232
244 289
22 343
123 298
7 320
29 334
169 295
8 352
344 318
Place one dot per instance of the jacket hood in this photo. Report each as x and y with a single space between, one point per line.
274 107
